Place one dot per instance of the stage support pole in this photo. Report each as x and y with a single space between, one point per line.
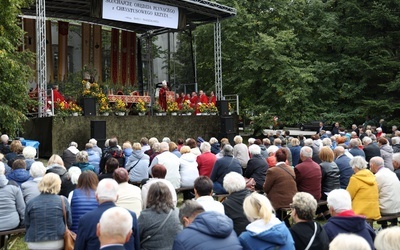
218 60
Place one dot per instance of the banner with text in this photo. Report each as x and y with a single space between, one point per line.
147 13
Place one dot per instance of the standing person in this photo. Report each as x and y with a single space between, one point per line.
106 195
57 96
203 97
212 98
162 95
44 218
265 230
159 222
113 236
306 233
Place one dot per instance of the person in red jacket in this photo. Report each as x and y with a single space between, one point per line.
205 161
162 96
213 98
203 97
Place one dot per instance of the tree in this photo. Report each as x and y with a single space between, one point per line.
14 69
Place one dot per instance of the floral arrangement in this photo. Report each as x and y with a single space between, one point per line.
157 107
61 108
212 108
92 90
74 108
141 106
120 106
104 107
203 108
172 106
186 106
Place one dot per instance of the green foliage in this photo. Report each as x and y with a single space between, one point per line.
306 60
14 69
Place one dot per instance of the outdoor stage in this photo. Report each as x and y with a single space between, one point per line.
55 133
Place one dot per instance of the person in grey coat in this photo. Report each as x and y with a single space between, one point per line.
12 205
386 153
137 165
30 188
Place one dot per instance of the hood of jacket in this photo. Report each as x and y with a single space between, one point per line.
387 148
57 169
277 234
188 157
262 147
213 223
81 165
137 154
3 181
349 223
128 152
19 175
365 176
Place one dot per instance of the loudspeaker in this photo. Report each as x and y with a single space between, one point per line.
227 125
89 106
98 130
223 107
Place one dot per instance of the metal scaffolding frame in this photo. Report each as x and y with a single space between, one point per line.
218 60
41 56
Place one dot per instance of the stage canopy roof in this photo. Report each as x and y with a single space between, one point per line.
191 13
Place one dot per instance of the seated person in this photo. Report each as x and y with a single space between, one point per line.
19 174
306 232
110 167
224 166
30 188
12 212
69 155
29 154
203 195
349 241
344 220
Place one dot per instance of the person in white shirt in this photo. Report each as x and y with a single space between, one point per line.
170 162
203 186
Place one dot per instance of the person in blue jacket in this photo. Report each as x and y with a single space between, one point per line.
265 230
204 230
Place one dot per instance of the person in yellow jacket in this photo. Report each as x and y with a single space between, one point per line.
363 190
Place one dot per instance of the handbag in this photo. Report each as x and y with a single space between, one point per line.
69 236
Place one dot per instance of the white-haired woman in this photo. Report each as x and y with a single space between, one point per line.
265 230
82 161
306 233
363 190
30 188
56 165
29 155
240 151
44 220
235 185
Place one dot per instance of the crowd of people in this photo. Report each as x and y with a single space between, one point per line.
272 188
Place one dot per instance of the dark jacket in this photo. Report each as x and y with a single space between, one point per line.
69 158
302 233
396 148
86 236
350 224
343 163
4 148
233 206
224 166
330 177
209 230
397 172
257 168
114 152
44 219
66 184
19 176
295 150
215 148
371 150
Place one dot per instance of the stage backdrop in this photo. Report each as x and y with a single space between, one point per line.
55 133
